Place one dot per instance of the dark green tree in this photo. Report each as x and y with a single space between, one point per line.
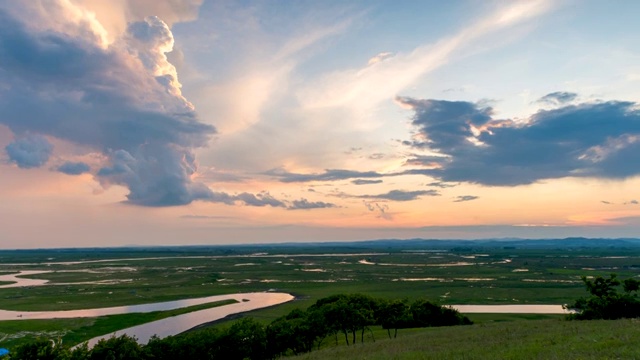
605 301
394 315
123 347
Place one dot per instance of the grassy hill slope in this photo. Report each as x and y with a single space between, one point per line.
536 339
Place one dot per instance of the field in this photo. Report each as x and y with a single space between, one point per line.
542 339
450 273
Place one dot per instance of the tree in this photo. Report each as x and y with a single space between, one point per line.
393 315
605 301
296 331
123 347
245 339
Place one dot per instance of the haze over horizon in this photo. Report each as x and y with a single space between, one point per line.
178 122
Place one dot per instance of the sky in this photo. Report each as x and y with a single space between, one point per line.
177 122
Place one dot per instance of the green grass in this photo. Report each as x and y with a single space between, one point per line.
78 330
555 273
537 339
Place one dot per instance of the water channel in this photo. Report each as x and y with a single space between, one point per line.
177 324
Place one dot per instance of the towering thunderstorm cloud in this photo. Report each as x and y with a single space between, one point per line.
63 76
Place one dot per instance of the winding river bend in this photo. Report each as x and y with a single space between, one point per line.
177 324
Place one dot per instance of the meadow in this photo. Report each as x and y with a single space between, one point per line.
468 273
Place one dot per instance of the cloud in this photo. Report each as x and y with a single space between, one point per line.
382 210
362 88
327 175
365 182
120 99
606 202
464 198
440 184
30 151
73 168
558 98
631 202
207 217
116 14
304 204
400 195
261 199
595 139
380 57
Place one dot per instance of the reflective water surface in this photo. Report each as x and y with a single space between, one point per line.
256 301
20 282
510 309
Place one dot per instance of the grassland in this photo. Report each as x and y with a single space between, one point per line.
541 339
459 275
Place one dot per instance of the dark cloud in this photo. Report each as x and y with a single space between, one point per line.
445 125
304 204
632 202
73 168
464 198
558 98
599 140
606 202
261 199
400 195
122 100
365 182
30 151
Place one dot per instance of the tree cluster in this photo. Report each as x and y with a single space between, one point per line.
606 302
298 332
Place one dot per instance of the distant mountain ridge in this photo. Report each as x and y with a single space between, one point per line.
384 244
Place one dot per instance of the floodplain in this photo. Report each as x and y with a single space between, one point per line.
451 273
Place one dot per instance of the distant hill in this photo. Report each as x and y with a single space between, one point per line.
374 245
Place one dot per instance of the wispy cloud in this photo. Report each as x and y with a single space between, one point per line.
464 198
304 204
365 182
380 80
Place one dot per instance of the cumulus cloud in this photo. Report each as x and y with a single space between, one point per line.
120 97
304 204
595 139
73 168
464 198
30 151
114 15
